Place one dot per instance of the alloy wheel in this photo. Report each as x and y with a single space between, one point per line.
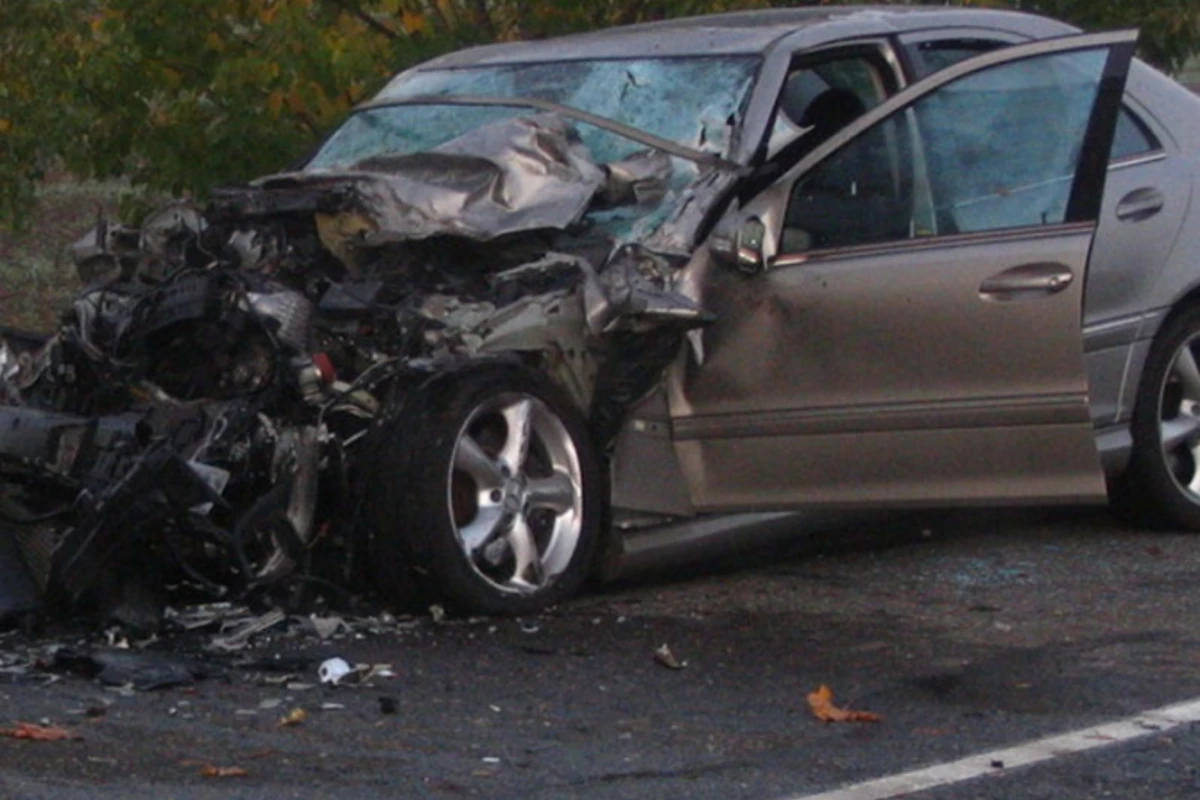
514 493
1179 419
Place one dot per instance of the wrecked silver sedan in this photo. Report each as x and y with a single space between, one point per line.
539 310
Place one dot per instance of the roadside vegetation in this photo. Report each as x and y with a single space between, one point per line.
139 99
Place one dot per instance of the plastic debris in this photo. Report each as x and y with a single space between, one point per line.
666 658
141 670
333 670
326 626
39 733
821 703
378 671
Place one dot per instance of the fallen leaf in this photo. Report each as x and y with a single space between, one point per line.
212 771
39 733
294 717
821 703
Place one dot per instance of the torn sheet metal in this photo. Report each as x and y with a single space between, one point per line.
634 292
513 175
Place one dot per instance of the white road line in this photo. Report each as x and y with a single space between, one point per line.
1000 762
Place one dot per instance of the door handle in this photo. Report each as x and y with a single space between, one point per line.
1027 282
1140 204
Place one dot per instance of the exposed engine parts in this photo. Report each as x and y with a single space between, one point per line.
204 413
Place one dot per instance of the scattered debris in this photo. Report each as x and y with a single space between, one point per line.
212 771
39 733
143 671
666 658
377 671
388 705
821 703
326 626
242 634
334 670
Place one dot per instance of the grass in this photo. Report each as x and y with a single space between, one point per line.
37 276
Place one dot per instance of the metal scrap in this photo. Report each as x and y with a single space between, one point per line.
240 636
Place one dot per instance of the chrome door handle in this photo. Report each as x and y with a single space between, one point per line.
1140 204
1026 282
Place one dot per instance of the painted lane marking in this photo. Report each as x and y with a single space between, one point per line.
1148 723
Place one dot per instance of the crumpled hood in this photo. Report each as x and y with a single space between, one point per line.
514 175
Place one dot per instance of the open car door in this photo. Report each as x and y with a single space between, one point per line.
899 316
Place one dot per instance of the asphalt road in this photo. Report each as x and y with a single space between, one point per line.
965 632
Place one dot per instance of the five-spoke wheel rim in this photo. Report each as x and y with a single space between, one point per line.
1179 419
514 494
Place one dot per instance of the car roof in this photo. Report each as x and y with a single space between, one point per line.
745 32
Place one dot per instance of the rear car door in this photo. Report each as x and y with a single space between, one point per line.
910 330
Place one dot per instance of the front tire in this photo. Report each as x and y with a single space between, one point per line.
1161 486
487 495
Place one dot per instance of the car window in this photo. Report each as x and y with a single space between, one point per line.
937 55
1132 137
960 160
820 98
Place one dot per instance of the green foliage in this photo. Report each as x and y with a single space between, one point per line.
183 95
1170 28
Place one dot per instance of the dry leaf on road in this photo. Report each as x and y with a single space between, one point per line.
821 703
294 717
39 733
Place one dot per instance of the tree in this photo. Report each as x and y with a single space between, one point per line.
1170 28
182 95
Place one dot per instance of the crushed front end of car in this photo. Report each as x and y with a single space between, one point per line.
218 405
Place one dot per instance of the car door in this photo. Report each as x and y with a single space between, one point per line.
1145 200
898 317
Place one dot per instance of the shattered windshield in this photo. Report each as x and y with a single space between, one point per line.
693 101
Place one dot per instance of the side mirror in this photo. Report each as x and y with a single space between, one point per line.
742 250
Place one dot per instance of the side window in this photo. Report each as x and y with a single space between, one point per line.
819 98
961 159
1132 138
862 194
929 57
